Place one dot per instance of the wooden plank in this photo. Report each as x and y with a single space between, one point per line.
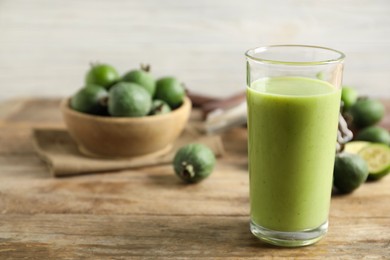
152 237
30 112
156 191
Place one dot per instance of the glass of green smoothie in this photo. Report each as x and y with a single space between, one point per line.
293 100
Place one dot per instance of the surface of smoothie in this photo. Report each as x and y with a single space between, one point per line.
292 125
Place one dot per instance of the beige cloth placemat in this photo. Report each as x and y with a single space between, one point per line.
60 152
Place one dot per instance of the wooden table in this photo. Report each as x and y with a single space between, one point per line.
149 213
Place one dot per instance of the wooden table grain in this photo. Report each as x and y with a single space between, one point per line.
148 213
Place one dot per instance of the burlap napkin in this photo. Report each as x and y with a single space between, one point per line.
63 157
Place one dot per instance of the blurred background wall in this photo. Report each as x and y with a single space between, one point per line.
46 45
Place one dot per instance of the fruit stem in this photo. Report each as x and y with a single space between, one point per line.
159 108
145 67
188 170
104 102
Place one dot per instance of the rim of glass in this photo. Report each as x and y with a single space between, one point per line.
249 54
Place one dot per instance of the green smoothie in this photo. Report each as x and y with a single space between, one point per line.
292 125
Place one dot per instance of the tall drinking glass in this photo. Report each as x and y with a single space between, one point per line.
293 99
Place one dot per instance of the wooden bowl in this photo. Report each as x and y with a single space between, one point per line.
125 136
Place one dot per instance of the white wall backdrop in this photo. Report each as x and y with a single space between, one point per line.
46 45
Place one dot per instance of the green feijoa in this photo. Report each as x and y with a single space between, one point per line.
355 146
90 99
143 78
170 90
159 107
194 162
366 112
102 74
350 171
375 134
349 96
377 157
128 100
